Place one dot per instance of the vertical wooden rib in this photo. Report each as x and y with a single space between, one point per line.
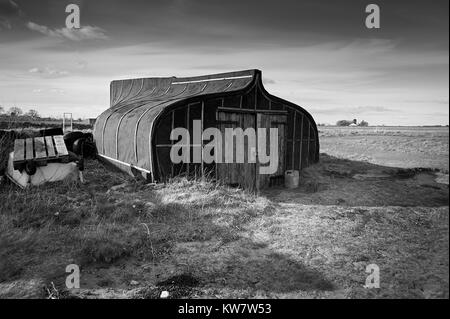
309 132
256 97
216 172
201 140
301 143
286 138
255 179
254 168
227 167
172 126
189 142
293 140
282 148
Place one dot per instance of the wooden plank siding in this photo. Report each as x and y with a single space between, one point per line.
300 140
272 121
250 108
242 174
301 145
293 141
60 146
187 127
29 154
19 150
39 150
51 152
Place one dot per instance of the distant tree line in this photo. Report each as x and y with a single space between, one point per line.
348 123
17 111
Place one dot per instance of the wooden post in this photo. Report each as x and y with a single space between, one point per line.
64 122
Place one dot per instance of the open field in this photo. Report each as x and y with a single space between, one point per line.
405 147
203 240
8 124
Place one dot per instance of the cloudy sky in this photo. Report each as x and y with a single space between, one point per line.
318 54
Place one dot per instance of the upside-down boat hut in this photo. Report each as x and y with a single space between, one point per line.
134 133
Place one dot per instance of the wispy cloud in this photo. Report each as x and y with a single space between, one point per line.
9 10
81 64
57 91
83 33
444 101
48 72
5 23
318 55
49 90
354 110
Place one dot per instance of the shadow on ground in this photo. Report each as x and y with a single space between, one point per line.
343 182
136 235
196 239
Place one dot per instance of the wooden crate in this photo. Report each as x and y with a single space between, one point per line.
40 150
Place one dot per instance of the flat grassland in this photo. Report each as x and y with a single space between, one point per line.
405 147
378 196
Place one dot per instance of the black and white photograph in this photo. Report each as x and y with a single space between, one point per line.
223 156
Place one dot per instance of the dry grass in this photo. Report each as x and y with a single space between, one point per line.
406 147
232 243
92 225
198 239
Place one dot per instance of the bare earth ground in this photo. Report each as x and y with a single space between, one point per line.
201 240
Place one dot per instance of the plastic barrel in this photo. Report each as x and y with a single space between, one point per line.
291 179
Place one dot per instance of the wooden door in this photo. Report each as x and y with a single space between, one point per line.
237 174
266 120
